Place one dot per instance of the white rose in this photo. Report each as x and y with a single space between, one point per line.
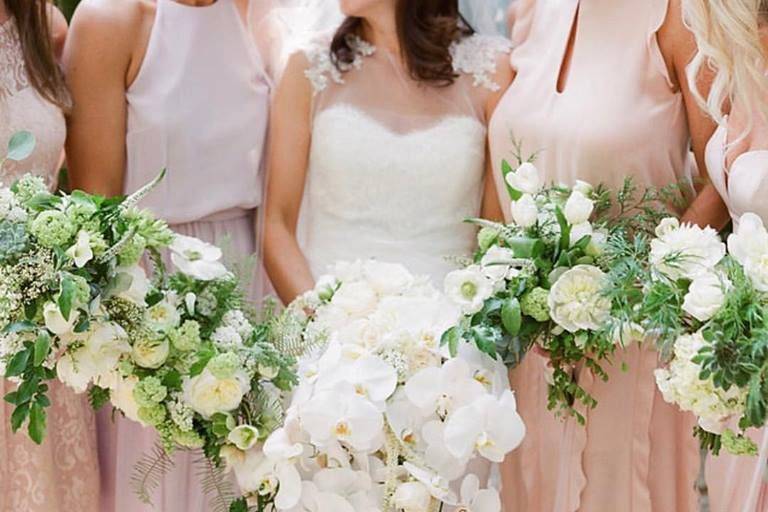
356 298
576 301
496 262
686 251
244 437
139 287
526 179
81 252
150 353
162 317
583 187
412 497
55 321
749 240
525 213
387 278
197 259
578 208
579 231
468 288
121 396
208 395
706 296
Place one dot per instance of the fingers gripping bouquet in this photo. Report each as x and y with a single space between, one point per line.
547 279
710 308
382 419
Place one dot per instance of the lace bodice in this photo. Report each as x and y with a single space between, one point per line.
22 108
395 167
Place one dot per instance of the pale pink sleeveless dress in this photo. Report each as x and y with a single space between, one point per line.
63 473
739 484
618 116
199 108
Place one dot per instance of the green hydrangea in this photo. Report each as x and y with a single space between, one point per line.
82 295
149 392
188 439
738 444
224 366
126 368
81 213
53 228
28 187
153 415
535 304
186 337
98 244
132 251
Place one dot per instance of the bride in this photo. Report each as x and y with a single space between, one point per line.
378 142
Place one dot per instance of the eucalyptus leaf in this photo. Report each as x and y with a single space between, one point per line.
21 145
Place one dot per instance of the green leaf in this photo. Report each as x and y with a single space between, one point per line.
511 316
98 397
42 347
12 397
21 145
451 338
172 380
505 170
67 296
17 327
37 421
565 229
524 247
43 401
18 363
27 390
18 416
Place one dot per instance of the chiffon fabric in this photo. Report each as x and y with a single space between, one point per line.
739 483
199 109
617 116
62 474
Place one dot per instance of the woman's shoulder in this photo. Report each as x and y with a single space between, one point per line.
319 66
115 17
481 56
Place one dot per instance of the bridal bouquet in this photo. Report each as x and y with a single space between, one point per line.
382 419
710 306
549 279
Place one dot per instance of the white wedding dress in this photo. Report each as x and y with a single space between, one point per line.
396 166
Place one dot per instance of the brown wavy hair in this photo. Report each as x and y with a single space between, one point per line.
425 29
34 26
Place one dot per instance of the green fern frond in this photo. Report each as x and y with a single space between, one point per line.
215 484
148 473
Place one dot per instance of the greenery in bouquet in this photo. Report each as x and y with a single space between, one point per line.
550 278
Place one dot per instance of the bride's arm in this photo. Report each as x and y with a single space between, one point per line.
290 139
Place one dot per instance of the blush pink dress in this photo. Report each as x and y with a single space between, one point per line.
618 115
739 484
62 474
199 108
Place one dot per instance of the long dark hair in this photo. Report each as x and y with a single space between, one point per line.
425 29
34 27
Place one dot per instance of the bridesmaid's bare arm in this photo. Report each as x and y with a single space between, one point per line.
679 47
58 30
97 58
290 140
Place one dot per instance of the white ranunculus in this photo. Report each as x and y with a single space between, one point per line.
489 425
121 396
526 179
162 317
244 437
356 299
474 499
139 287
576 301
496 263
583 187
197 259
578 208
96 358
387 278
81 252
706 295
524 211
579 231
686 251
208 395
55 321
468 288
150 352
412 497
749 240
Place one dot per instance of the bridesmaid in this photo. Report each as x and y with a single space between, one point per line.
61 474
732 38
600 91
175 84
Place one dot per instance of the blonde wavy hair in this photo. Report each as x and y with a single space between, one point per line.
728 36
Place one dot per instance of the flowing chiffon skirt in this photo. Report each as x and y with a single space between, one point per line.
738 484
122 442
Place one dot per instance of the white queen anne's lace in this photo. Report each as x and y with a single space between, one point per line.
322 69
476 55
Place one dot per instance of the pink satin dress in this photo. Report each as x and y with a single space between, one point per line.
199 108
62 474
739 484
618 115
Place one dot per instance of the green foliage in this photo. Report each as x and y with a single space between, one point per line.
148 473
13 240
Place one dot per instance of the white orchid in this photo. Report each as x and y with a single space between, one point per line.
443 390
197 259
256 472
474 499
370 376
413 497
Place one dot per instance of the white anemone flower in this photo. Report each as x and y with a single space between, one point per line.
469 288
443 390
197 259
489 425
474 499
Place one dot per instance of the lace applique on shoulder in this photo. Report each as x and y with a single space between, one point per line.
322 70
14 77
476 55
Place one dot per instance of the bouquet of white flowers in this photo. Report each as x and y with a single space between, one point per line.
174 352
548 278
709 307
381 419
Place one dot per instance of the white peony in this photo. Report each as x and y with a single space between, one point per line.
685 251
139 288
150 352
576 301
412 497
81 252
578 208
55 321
357 298
162 317
208 395
525 213
706 295
197 259
387 278
96 357
526 179
469 288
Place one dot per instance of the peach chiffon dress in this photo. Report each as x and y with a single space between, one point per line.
617 116
739 484
62 474
199 108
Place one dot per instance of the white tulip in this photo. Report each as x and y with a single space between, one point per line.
81 253
579 231
121 397
197 259
706 296
525 213
749 240
526 179
244 437
578 208
583 187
